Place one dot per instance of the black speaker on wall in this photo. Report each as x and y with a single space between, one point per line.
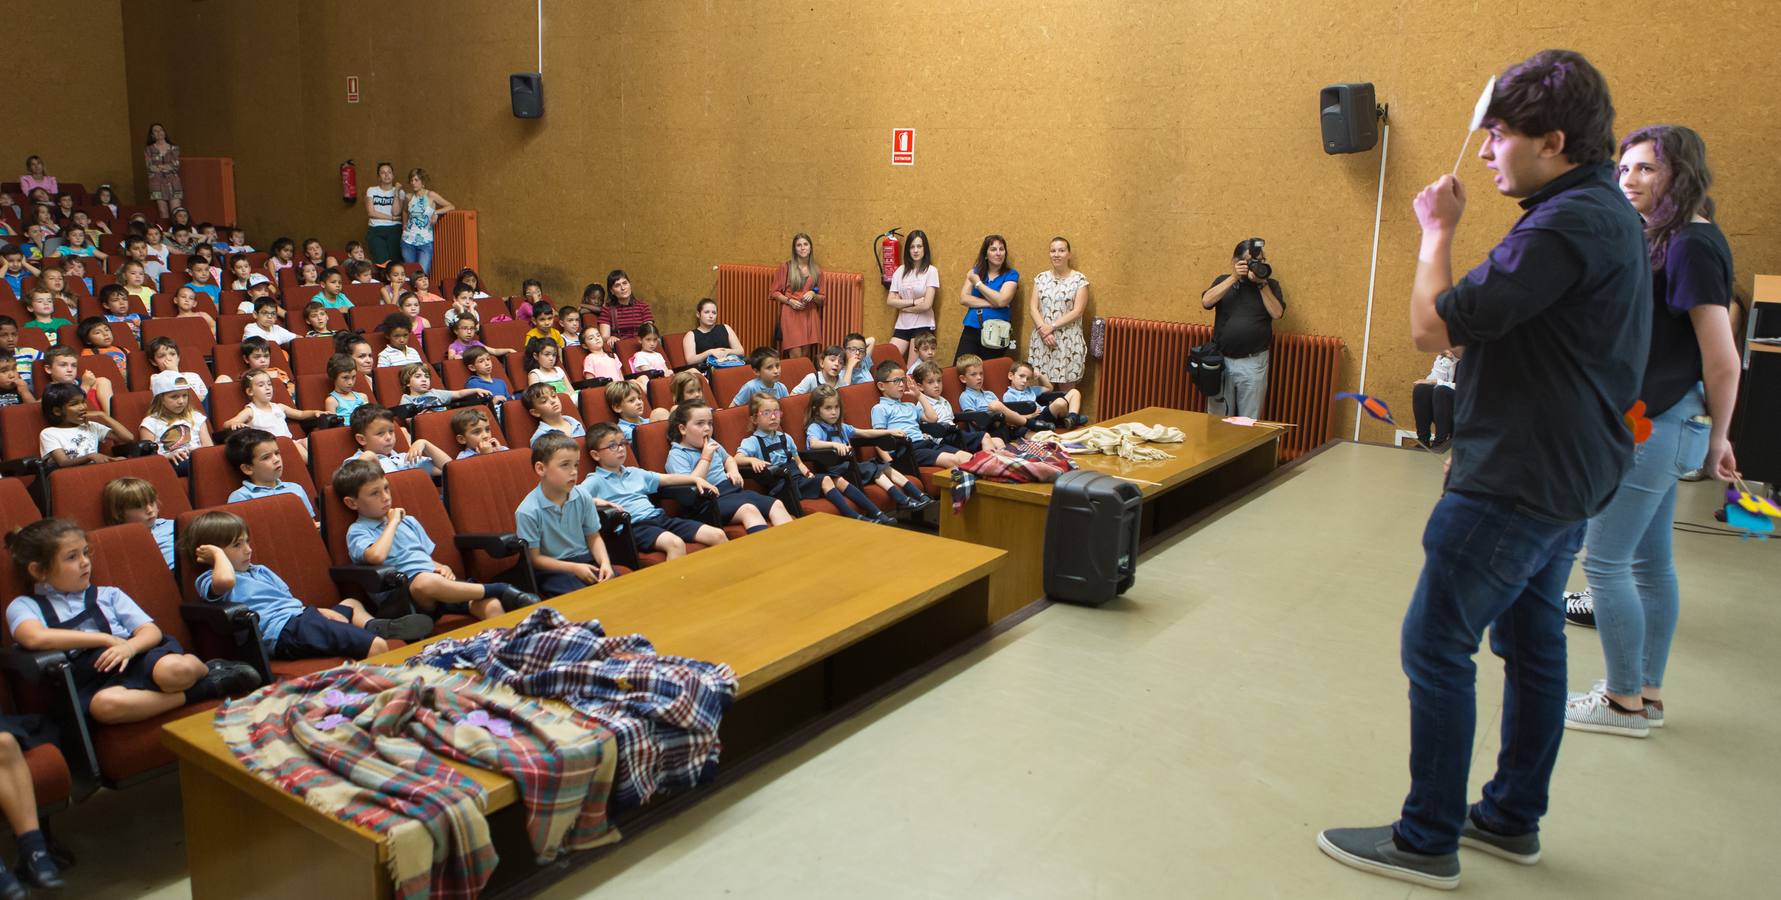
1350 118
528 94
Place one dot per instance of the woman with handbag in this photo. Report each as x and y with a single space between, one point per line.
988 297
1059 300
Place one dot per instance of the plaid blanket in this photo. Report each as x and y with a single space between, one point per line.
368 745
1021 462
663 711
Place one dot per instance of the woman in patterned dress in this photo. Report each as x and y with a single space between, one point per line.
1060 296
162 157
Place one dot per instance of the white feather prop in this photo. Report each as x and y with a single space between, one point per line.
1477 119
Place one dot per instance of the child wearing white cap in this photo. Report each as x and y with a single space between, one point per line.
173 421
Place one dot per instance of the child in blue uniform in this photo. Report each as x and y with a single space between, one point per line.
696 452
652 529
133 500
893 413
769 446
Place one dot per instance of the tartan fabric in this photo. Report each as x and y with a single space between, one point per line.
1022 462
663 711
368 745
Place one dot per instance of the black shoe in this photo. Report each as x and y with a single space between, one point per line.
881 519
513 598
39 870
1516 848
10 889
231 677
923 503
1077 420
411 627
1373 850
1580 608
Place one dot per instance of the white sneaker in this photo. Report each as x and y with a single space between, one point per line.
1654 711
1592 712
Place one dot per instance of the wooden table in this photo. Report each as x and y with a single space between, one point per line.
1215 461
810 615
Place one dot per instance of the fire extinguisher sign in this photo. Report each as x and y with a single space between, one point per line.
902 146
352 88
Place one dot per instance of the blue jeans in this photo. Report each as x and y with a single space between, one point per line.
1488 562
418 253
1245 387
1631 572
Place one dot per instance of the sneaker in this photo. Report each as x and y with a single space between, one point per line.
880 519
10 889
1580 608
411 627
1654 709
1516 848
231 677
1594 712
1373 850
38 870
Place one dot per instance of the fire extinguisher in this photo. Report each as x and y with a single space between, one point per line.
349 182
888 248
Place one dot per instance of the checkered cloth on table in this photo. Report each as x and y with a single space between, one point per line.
368 745
1021 462
662 710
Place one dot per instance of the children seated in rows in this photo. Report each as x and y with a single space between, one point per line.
544 326
828 433
124 668
343 377
481 363
126 501
648 361
1030 394
769 447
333 292
265 324
96 339
561 525
61 365
546 405
652 529
695 452
418 390
383 535
374 430
893 413
937 414
626 400
174 421
475 433
267 414
542 367
218 546
765 363
315 316
256 455
397 328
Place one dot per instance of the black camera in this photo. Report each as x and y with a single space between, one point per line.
1258 267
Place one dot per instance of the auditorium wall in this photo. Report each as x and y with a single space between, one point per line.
678 135
67 101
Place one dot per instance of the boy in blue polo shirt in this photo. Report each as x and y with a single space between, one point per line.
765 362
1030 394
385 536
560 525
894 414
216 545
254 453
652 529
374 428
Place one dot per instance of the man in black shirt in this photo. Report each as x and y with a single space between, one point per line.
1243 329
1555 324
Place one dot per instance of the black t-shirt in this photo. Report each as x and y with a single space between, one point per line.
1556 323
1697 272
1242 326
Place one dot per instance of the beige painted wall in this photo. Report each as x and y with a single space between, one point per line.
66 99
680 134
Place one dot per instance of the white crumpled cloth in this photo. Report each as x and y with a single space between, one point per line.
1126 440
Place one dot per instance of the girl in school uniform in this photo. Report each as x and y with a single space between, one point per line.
695 452
827 432
769 446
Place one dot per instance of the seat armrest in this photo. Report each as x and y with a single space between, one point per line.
496 544
30 465
220 618
373 580
32 665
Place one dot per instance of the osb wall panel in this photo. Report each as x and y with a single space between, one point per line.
678 135
65 100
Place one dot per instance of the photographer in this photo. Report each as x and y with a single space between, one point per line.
1248 302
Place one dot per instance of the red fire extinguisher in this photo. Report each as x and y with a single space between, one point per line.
349 182
888 248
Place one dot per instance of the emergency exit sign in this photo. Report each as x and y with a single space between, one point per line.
902 146
352 88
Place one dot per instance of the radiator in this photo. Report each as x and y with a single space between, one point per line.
741 295
1144 363
454 247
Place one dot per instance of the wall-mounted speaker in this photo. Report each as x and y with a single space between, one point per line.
1350 118
528 94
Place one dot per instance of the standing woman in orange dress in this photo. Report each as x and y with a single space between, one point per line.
797 290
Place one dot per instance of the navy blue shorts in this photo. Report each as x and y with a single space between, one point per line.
731 499
929 454
311 635
137 675
645 531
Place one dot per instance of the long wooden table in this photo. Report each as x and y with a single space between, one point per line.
1215 461
811 615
